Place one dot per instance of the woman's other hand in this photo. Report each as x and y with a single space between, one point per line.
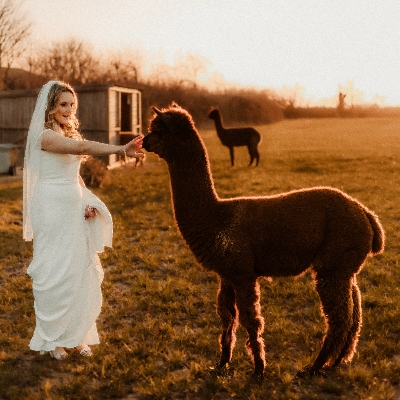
90 212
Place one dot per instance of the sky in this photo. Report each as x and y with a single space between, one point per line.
316 46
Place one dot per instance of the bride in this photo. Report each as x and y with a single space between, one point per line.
68 224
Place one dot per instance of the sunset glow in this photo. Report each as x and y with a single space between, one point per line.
320 46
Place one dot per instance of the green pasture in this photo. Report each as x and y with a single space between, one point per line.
159 329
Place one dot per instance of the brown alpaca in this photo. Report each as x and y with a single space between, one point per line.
244 238
236 137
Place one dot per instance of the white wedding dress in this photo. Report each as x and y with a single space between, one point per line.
65 268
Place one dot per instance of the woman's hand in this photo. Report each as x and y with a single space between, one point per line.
90 212
131 148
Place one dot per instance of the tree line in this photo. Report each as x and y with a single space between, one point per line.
75 62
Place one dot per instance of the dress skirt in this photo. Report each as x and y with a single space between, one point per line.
65 268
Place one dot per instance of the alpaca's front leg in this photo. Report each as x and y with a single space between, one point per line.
248 304
227 312
232 154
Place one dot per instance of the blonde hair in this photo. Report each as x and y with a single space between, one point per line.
67 130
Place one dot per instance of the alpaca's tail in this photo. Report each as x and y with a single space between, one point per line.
378 241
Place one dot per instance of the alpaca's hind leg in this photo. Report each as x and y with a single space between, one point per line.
252 154
248 304
232 154
352 337
257 156
336 297
227 312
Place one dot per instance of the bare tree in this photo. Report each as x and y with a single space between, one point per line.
117 67
15 28
71 61
120 71
186 72
189 68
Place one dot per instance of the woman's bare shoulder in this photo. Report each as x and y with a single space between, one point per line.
50 131
50 134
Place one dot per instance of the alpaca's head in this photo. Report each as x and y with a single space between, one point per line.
214 113
170 133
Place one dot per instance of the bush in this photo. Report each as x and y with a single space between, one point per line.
94 172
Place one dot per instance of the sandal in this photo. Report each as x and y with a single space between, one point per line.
84 351
60 355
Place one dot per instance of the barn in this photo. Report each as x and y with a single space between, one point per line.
107 113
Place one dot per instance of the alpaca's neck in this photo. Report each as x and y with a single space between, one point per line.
192 187
218 123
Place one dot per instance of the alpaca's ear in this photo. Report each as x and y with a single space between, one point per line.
156 110
174 105
164 118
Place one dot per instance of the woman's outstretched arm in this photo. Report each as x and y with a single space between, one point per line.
56 143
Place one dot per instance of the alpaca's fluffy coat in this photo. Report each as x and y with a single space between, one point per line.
244 238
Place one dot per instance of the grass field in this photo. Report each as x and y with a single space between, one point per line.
159 329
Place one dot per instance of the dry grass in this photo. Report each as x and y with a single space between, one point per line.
158 325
